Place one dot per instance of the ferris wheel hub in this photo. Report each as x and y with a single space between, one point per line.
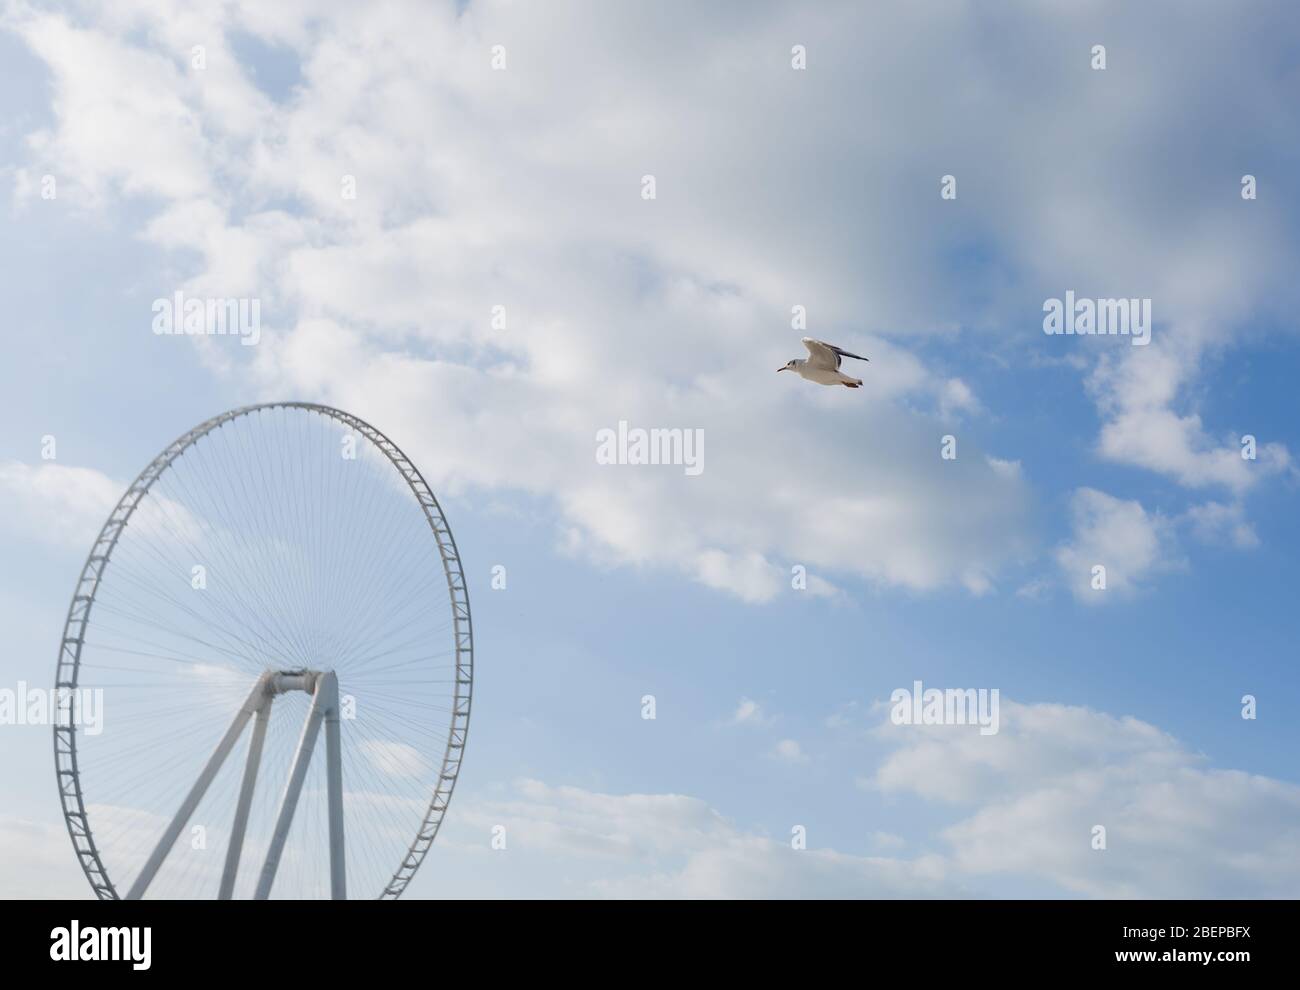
283 681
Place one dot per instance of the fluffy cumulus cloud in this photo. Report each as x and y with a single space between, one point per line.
65 506
1018 806
1033 794
520 188
1139 395
1135 545
671 845
1119 535
55 503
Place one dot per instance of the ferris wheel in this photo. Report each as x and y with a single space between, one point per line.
278 573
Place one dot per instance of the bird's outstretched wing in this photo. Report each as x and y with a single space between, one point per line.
823 355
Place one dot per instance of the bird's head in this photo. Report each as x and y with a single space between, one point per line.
789 366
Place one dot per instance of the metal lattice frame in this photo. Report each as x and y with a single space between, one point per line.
83 600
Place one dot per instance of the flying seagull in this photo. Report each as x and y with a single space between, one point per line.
823 364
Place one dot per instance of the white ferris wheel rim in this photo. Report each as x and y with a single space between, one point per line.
78 618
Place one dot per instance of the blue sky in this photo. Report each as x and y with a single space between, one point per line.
775 188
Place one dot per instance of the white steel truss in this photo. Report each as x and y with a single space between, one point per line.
324 689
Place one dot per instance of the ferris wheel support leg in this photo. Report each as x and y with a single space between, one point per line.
329 685
292 788
235 847
200 787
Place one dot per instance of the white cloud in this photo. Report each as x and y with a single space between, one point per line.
67 506
1137 394
126 120
956 397
395 759
669 845
1016 806
1119 535
750 576
1214 522
749 712
887 840
1033 589
1006 468
676 312
617 309
56 504
789 751
753 867
1174 827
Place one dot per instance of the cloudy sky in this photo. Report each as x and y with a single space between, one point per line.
498 154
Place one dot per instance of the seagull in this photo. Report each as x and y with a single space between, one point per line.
823 364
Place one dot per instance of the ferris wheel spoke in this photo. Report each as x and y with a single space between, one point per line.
151 583
414 591
237 647
223 558
261 583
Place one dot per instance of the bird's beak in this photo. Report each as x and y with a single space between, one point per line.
783 368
